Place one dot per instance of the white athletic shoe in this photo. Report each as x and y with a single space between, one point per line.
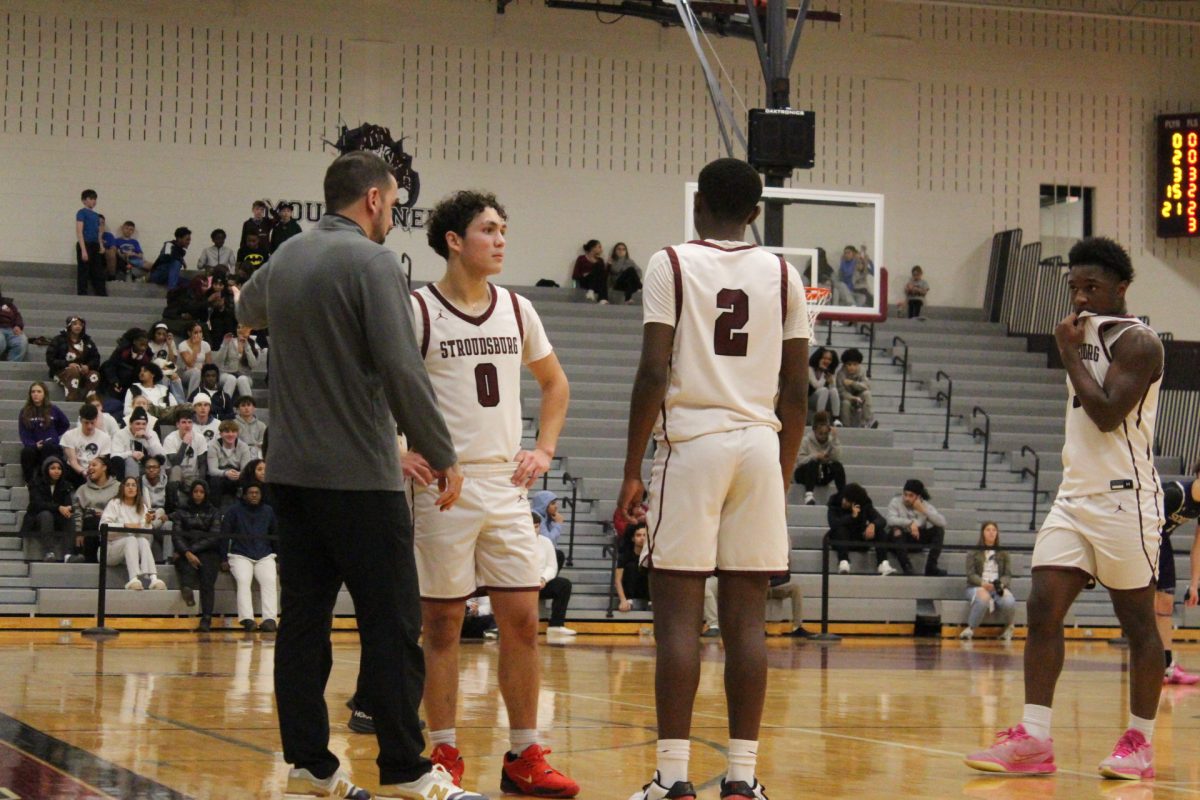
809 500
591 296
844 567
560 630
135 585
1007 635
967 633
302 783
886 569
157 583
437 784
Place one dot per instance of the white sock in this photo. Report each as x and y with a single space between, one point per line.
673 757
445 736
1142 726
520 738
743 757
1037 721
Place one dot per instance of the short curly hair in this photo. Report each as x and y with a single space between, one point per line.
1098 251
454 213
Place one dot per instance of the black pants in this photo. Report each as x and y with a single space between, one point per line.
91 544
596 281
931 536
635 582
628 282
915 304
559 592
93 271
54 531
820 473
366 540
32 458
203 577
845 538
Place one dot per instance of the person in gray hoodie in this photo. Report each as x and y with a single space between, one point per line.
226 460
90 501
912 518
251 429
545 505
820 458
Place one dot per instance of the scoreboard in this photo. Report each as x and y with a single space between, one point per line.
1178 192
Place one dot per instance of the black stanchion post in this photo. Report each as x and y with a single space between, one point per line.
1036 473
949 395
987 440
100 630
611 550
870 347
825 635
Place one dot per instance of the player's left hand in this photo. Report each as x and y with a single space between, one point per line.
1069 333
1193 596
531 465
632 492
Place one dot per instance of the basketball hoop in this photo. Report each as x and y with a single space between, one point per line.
817 296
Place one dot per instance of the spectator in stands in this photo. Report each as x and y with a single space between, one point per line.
915 291
124 256
186 452
285 228
237 359
256 472
822 394
912 518
621 527
820 460
207 425
864 283
251 429
846 267
478 623
712 620
49 513
150 386
125 364
555 588
631 579
854 392
84 443
129 510
545 505
259 224
188 304
196 536
222 319
210 385
40 424
193 353
591 272
89 259
13 341
854 524
135 442
218 255
786 587
251 556
989 575
171 259
164 356
840 293
157 492
74 360
253 254
623 272
226 460
104 421
89 503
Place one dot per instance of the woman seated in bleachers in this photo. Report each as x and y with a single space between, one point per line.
90 501
74 359
129 510
237 359
193 353
48 515
165 357
822 393
40 425
989 575
631 580
196 534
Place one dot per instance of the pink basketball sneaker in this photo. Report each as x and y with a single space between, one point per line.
1131 760
1016 753
1175 676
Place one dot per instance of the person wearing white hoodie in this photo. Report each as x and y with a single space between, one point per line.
555 588
136 442
129 510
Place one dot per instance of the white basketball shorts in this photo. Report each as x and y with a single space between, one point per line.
487 540
1110 536
717 503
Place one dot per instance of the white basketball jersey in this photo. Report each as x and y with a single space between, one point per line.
475 364
732 305
1094 461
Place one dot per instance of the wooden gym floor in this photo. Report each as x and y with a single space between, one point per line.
151 716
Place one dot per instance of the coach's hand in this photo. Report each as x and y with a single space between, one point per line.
450 483
414 466
531 465
1069 333
632 492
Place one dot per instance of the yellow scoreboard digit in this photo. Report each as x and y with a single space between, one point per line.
1178 191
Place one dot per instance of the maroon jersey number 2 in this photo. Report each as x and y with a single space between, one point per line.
728 339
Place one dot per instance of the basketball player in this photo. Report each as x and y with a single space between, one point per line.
475 337
1181 503
723 384
1105 521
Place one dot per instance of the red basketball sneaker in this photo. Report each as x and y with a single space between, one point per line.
529 774
451 759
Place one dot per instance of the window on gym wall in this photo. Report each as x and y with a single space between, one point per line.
1066 217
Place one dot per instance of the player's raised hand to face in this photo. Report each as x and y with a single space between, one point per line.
414 466
1069 332
531 465
632 492
450 483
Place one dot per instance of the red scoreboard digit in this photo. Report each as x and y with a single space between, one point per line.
1178 190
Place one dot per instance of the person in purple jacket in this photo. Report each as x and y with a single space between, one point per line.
40 424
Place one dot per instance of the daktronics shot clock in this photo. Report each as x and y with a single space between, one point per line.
1177 195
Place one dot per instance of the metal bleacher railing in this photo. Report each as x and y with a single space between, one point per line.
986 433
901 361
